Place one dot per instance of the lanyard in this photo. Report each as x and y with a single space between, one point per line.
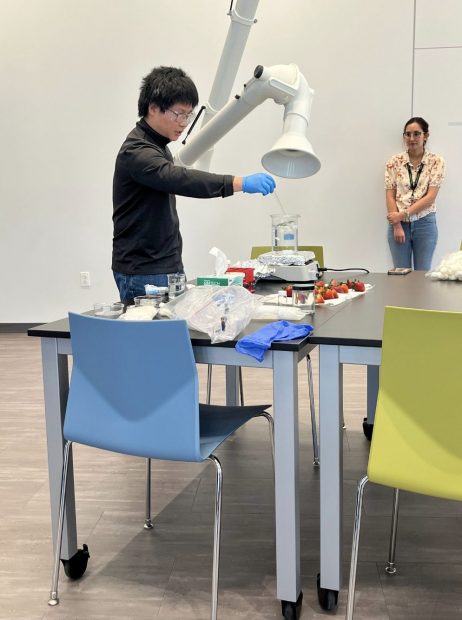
415 182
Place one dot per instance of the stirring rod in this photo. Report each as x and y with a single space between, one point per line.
279 201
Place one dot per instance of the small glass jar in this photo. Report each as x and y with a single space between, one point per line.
149 300
303 297
108 310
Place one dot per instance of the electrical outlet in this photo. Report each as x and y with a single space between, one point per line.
85 279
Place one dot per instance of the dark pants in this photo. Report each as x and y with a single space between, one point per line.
133 286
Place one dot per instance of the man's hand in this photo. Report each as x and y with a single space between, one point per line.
259 183
398 233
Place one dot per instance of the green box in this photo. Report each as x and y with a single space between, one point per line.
227 280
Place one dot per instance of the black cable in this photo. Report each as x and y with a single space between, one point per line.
345 269
194 122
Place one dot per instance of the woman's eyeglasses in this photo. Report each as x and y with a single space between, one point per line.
412 134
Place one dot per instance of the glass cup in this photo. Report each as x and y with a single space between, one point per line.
284 232
108 310
303 297
176 284
149 300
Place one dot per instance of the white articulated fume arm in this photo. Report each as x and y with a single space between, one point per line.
292 156
242 19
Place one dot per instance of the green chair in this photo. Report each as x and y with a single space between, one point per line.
411 448
319 254
317 249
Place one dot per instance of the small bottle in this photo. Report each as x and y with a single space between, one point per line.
303 297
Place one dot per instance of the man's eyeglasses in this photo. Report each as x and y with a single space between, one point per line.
412 134
181 117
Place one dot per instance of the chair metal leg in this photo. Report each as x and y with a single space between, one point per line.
313 412
390 567
355 548
147 520
209 383
241 386
54 599
216 534
270 421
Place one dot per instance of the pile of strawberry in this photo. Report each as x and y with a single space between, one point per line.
324 291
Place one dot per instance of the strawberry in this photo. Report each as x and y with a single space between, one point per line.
359 286
319 299
328 294
320 284
333 282
350 284
289 291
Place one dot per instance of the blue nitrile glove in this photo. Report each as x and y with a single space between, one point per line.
259 183
257 343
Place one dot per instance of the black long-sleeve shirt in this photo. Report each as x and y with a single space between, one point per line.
147 237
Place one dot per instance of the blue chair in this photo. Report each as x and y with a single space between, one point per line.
134 390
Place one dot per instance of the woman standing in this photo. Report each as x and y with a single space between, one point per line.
412 181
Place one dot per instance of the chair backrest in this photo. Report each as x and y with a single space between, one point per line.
417 440
134 388
317 249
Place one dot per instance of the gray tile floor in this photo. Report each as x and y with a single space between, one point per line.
165 573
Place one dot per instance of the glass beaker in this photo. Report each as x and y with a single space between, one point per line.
176 284
284 232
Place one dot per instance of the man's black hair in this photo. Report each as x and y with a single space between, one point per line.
164 87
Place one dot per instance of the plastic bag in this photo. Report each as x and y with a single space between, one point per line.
222 312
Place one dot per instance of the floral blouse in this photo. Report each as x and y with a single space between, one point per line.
397 176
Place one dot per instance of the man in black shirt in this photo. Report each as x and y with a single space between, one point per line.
147 243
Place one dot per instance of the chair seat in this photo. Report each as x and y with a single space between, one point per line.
217 422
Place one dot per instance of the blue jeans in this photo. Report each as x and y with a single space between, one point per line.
133 286
419 245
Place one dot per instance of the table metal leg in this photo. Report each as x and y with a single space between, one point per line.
56 388
232 385
331 443
285 405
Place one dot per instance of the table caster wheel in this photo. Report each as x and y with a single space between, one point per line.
367 429
327 598
291 610
77 564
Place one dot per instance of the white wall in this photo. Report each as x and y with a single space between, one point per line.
70 72
438 97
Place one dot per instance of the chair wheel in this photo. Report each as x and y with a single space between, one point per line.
291 610
367 429
77 564
327 598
